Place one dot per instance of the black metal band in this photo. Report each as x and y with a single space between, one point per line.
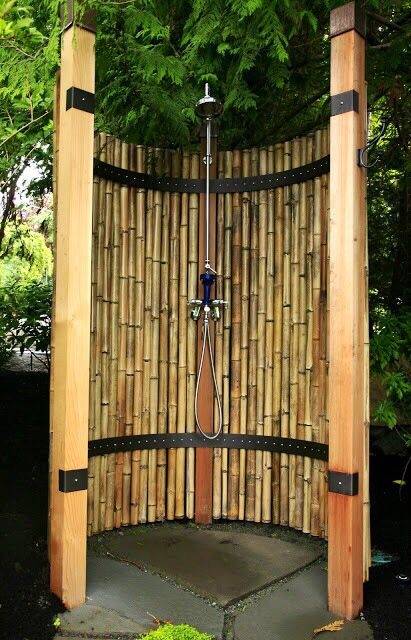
80 99
72 480
344 483
343 102
292 446
222 185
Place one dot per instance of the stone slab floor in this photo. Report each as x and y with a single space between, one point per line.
228 582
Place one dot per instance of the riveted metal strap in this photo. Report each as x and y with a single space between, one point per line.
72 480
344 483
306 448
343 102
222 185
80 99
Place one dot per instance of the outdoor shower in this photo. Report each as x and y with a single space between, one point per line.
207 108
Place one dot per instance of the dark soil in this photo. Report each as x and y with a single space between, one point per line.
27 608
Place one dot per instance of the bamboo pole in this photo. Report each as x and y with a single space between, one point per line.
154 345
302 340
286 335
147 340
182 340
130 341
140 202
262 212
228 232
107 154
245 290
309 341
278 331
122 333
315 379
233 467
192 332
294 317
219 341
113 343
173 336
92 480
163 346
97 397
267 497
251 470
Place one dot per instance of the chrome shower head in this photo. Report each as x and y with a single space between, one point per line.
208 107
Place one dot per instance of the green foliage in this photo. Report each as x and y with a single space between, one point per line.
390 353
161 53
25 319
176 632
28 57
25 284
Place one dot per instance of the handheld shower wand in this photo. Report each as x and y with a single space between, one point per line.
208 108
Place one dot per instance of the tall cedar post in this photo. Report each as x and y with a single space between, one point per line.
71 328
204 457
347 304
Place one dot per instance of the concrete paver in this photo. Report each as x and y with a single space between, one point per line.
139 596
222 566
293 610
95 620
123 599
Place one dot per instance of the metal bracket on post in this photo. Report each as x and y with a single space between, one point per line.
72 480
344 102
344 483
79 99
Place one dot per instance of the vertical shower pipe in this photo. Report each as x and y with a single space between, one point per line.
71 320
204 457
347 245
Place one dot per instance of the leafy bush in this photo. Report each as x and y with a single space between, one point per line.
390 351
25 319
176 632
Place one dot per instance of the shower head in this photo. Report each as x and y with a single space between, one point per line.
208 107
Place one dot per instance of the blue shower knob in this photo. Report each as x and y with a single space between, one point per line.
208 280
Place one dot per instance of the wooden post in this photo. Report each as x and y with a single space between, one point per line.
204 457
71 328
347 304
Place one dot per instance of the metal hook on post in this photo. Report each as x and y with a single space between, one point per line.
362 153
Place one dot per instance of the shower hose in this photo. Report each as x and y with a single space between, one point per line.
207 342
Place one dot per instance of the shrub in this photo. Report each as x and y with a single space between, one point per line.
25 320
176 632
390 352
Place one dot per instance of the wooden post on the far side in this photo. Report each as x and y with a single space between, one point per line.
347 293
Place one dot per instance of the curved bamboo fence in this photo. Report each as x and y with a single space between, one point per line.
271 344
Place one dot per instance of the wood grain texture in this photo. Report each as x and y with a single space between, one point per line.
72 321
346 338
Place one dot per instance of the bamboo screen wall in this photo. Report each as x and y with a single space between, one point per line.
270 345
